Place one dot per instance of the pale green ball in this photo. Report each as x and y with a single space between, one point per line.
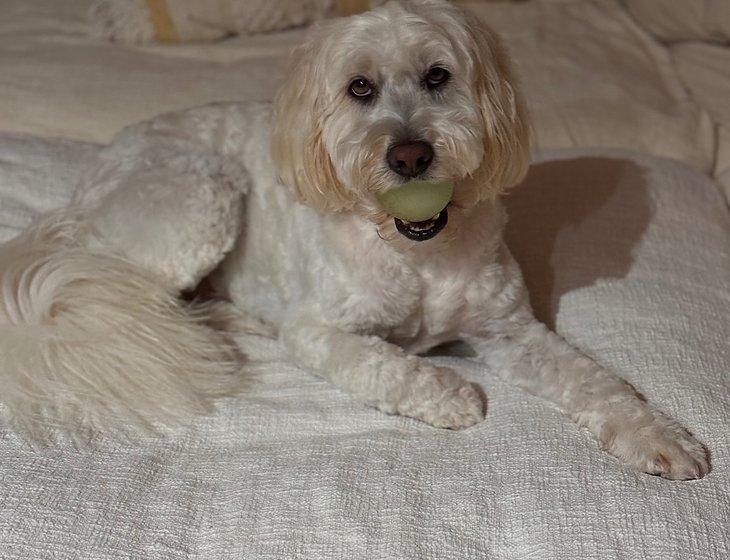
417 201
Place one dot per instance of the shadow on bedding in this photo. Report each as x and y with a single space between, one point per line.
573 223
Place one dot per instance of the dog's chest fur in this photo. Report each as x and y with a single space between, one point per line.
437 311
414 299
292 260
443 280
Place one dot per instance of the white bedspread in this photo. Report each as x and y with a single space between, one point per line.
616 255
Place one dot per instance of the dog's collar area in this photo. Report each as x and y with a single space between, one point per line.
422 231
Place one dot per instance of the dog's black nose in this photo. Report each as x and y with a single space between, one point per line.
410 159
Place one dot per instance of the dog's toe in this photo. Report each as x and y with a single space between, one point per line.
445 400
674 461
462 409
662 448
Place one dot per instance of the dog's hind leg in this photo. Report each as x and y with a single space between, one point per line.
167 197
92 333
178 221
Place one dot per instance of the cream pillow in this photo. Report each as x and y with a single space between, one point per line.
684 20
593 77
176 21
179 21
705 70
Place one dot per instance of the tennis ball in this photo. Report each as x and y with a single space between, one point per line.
417 201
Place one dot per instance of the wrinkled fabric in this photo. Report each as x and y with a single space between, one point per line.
684 20
592 76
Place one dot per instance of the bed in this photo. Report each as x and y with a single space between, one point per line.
624 239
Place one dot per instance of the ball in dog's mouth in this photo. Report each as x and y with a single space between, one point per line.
412 203
422 231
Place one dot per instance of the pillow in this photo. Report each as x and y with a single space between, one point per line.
705 70
683 20
174 21
592 77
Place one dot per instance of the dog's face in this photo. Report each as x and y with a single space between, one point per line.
412 89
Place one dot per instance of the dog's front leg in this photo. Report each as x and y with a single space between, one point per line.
518 348
382 375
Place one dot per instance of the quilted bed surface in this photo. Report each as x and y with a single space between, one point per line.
617 260
626 255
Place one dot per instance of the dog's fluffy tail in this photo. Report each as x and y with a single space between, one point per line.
90 342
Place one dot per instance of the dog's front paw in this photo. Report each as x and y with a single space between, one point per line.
442 398
655 444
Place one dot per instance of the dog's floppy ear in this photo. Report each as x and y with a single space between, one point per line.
506 127
300 107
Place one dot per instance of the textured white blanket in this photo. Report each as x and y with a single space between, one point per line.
628 256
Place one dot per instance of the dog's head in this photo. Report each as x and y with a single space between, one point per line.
416 88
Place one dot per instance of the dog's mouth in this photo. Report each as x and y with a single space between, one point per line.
422 231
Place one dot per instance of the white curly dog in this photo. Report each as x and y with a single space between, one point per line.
280 210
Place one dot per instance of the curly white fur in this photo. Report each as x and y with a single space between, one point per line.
315 258
91 341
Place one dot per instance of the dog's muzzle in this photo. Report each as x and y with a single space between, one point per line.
423 231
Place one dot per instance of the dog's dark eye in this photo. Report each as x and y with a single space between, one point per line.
360 88
435 77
